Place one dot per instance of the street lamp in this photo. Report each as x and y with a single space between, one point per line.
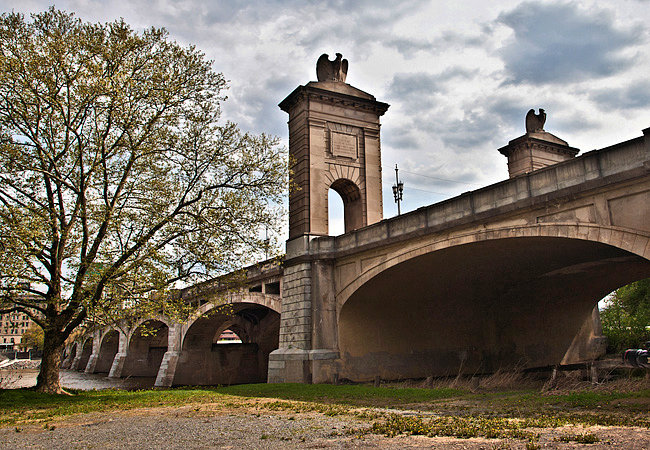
398 190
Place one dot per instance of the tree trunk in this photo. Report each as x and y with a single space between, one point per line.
48 377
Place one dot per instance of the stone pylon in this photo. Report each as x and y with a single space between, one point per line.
333 144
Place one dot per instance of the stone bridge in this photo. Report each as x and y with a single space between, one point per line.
505 276
187 353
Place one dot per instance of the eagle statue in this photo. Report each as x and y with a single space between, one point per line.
535 122
327 70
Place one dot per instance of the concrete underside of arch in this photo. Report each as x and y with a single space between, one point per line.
520 302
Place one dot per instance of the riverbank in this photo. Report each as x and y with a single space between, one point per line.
12 378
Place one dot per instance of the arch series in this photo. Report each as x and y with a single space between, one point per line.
153 347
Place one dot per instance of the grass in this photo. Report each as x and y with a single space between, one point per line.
354 395
23 405
460 427
27 405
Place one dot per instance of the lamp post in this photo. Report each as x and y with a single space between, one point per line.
398 190
267 241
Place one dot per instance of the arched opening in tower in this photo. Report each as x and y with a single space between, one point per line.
335 218
353 209
206 360
476 308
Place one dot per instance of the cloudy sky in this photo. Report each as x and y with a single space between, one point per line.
459 76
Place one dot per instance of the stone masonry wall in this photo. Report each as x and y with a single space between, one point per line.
295 325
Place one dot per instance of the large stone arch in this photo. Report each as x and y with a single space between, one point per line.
435 309
148 342
202 361
633 241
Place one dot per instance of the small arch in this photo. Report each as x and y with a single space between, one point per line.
107 351
86 351
229 336
353 208
72 353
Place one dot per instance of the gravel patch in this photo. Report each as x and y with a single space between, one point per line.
209 426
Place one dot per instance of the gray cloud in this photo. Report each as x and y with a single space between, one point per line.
467 134
401 138
557 42
409 47
508 111
419 86
637 95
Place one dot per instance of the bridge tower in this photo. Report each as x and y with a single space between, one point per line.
333 143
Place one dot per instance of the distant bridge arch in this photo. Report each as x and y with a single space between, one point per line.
202 360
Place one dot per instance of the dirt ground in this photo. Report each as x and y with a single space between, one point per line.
213 426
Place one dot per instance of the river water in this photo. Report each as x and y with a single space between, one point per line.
15 379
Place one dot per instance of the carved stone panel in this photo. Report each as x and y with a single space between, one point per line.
343 141
345 145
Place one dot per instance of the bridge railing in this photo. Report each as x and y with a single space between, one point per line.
626 160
